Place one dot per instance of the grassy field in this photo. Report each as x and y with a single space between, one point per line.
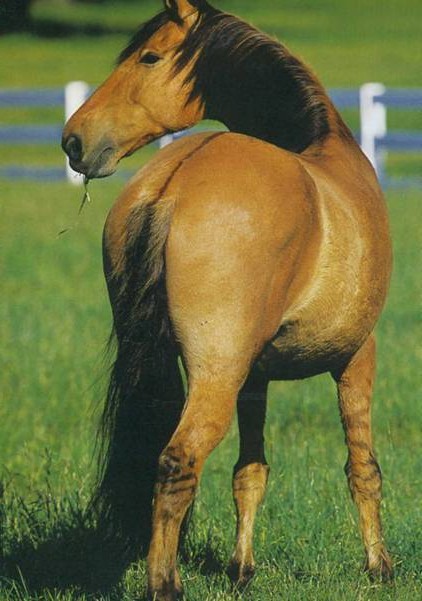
54 323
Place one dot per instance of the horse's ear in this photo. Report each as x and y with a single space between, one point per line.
181 9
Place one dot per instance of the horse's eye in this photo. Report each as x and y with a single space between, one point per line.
150 58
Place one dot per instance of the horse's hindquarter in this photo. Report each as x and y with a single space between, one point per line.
263 248
242 245
339 307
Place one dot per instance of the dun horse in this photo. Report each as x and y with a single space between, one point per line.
257 254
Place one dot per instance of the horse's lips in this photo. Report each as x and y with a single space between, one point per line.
100 166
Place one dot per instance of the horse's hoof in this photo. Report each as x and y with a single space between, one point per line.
240 574
382 571
166 593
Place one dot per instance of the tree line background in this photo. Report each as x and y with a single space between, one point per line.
15 15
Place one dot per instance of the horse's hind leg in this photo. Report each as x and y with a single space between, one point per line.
250 473
355 384
207 416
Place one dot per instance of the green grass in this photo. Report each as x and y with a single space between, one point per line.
54 324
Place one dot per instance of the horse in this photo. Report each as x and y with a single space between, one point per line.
244 256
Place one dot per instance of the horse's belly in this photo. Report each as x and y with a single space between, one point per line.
301 350
328 328
324 332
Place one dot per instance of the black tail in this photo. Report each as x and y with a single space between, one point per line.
145 395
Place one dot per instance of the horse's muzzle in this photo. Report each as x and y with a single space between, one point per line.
93 163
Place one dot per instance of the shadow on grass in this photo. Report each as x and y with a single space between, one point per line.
205 559
50 544
77 559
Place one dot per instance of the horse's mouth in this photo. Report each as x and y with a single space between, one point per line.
100 165
103 160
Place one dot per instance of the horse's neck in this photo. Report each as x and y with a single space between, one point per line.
282 103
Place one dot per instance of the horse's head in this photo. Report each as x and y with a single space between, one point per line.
147 95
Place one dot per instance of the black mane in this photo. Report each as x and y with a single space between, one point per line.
248 81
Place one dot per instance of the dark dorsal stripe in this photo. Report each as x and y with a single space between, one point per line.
248 81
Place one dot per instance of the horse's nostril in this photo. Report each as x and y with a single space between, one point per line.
73 148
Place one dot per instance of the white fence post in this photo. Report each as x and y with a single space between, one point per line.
165 140
373 120
75 94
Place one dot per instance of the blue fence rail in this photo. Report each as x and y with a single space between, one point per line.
49 97
372 101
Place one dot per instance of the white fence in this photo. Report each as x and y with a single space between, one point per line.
372 100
